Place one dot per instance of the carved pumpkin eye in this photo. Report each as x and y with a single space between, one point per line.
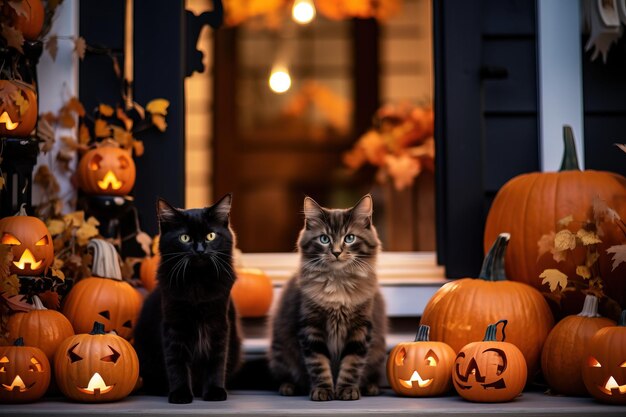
94 165
123 162
431 358
128 324
112 357
623 365
3 360
43 241
400 357
74 357
35 365
593 362
9 239
105 314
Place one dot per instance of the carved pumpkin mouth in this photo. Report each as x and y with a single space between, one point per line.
28 258
8 123
18 385
110 180
422 383
96 386
612 386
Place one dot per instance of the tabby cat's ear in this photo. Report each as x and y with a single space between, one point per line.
165 211
313 212
221 209
363 209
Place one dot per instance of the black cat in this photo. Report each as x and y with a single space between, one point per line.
187 336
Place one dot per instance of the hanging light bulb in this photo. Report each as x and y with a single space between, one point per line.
303 11
280 80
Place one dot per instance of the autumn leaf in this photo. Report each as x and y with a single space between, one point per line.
559 255
52 46
622 146
86 232
74 105
45 133
602 212
158 106
20 101
587 237
564 240
20 7
10 285
18 302
46 180
105 110
6 256
83 134
6 92
159 122
102 129
545 244
619 255
55 226
138 147
554 278
403 169
123 137
50 299
123 117
80 46
58 274
592 257
74 219
66 119
565 221
583 271
1 182
14 37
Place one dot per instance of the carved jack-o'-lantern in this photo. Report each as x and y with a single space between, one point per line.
24 373
491 370
106 170
421 368
96 367
30 242
604 363
18 108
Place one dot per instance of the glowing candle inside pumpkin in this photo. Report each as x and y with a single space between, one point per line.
110 180
27 258
422 383
612 384
16 384
96 385
8 123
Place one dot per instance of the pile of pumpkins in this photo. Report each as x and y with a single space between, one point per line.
583 354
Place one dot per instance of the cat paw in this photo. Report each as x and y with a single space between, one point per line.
348 393
180 396
321 394
287 389
370 390
215 394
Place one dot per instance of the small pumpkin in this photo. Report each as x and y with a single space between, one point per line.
24 373
491 370
564 349
105 297
422 368
252 292
604 363
96 367
18 108
30 241
40 327
461 309
106 170
148 271
31 22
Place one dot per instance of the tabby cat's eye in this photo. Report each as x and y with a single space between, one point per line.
349 238
185 238
211 236
324 239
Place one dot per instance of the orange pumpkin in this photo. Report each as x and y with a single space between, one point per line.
24 373
491 370
30 241
564 349
252 292
422 368
530 205
148 271
104 297
96 367
40 327
31 22
106 170
461 309
18 108
604 363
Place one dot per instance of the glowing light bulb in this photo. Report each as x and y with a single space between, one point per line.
303 11
280 81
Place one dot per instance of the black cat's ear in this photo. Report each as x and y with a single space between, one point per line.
221 209
313 212
363 209
165 211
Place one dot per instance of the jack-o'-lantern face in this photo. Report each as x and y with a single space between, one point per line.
96 367
106 170
18 108
24 373
489 375
608 384
31 244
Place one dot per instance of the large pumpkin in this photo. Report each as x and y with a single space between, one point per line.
422 368
530 205
24 373
30 241
105 297
18 108
604 363
106 170
564 349
31 22
96 367
460 310
40 327
252 292
491 370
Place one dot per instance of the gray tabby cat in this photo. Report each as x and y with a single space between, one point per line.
328 331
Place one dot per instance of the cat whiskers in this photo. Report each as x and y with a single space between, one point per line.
174 275
222 264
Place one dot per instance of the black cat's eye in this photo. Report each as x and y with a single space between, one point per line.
349 238
211 236
324 239
185 238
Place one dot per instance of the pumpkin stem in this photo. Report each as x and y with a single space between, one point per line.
590 307
22 211
98 328
423 333
37 304
492 332
493 265
19 342
105 260
622 319
570 159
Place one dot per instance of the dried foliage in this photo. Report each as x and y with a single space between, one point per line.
11 10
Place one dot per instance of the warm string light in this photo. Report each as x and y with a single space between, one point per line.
280 80
303 11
